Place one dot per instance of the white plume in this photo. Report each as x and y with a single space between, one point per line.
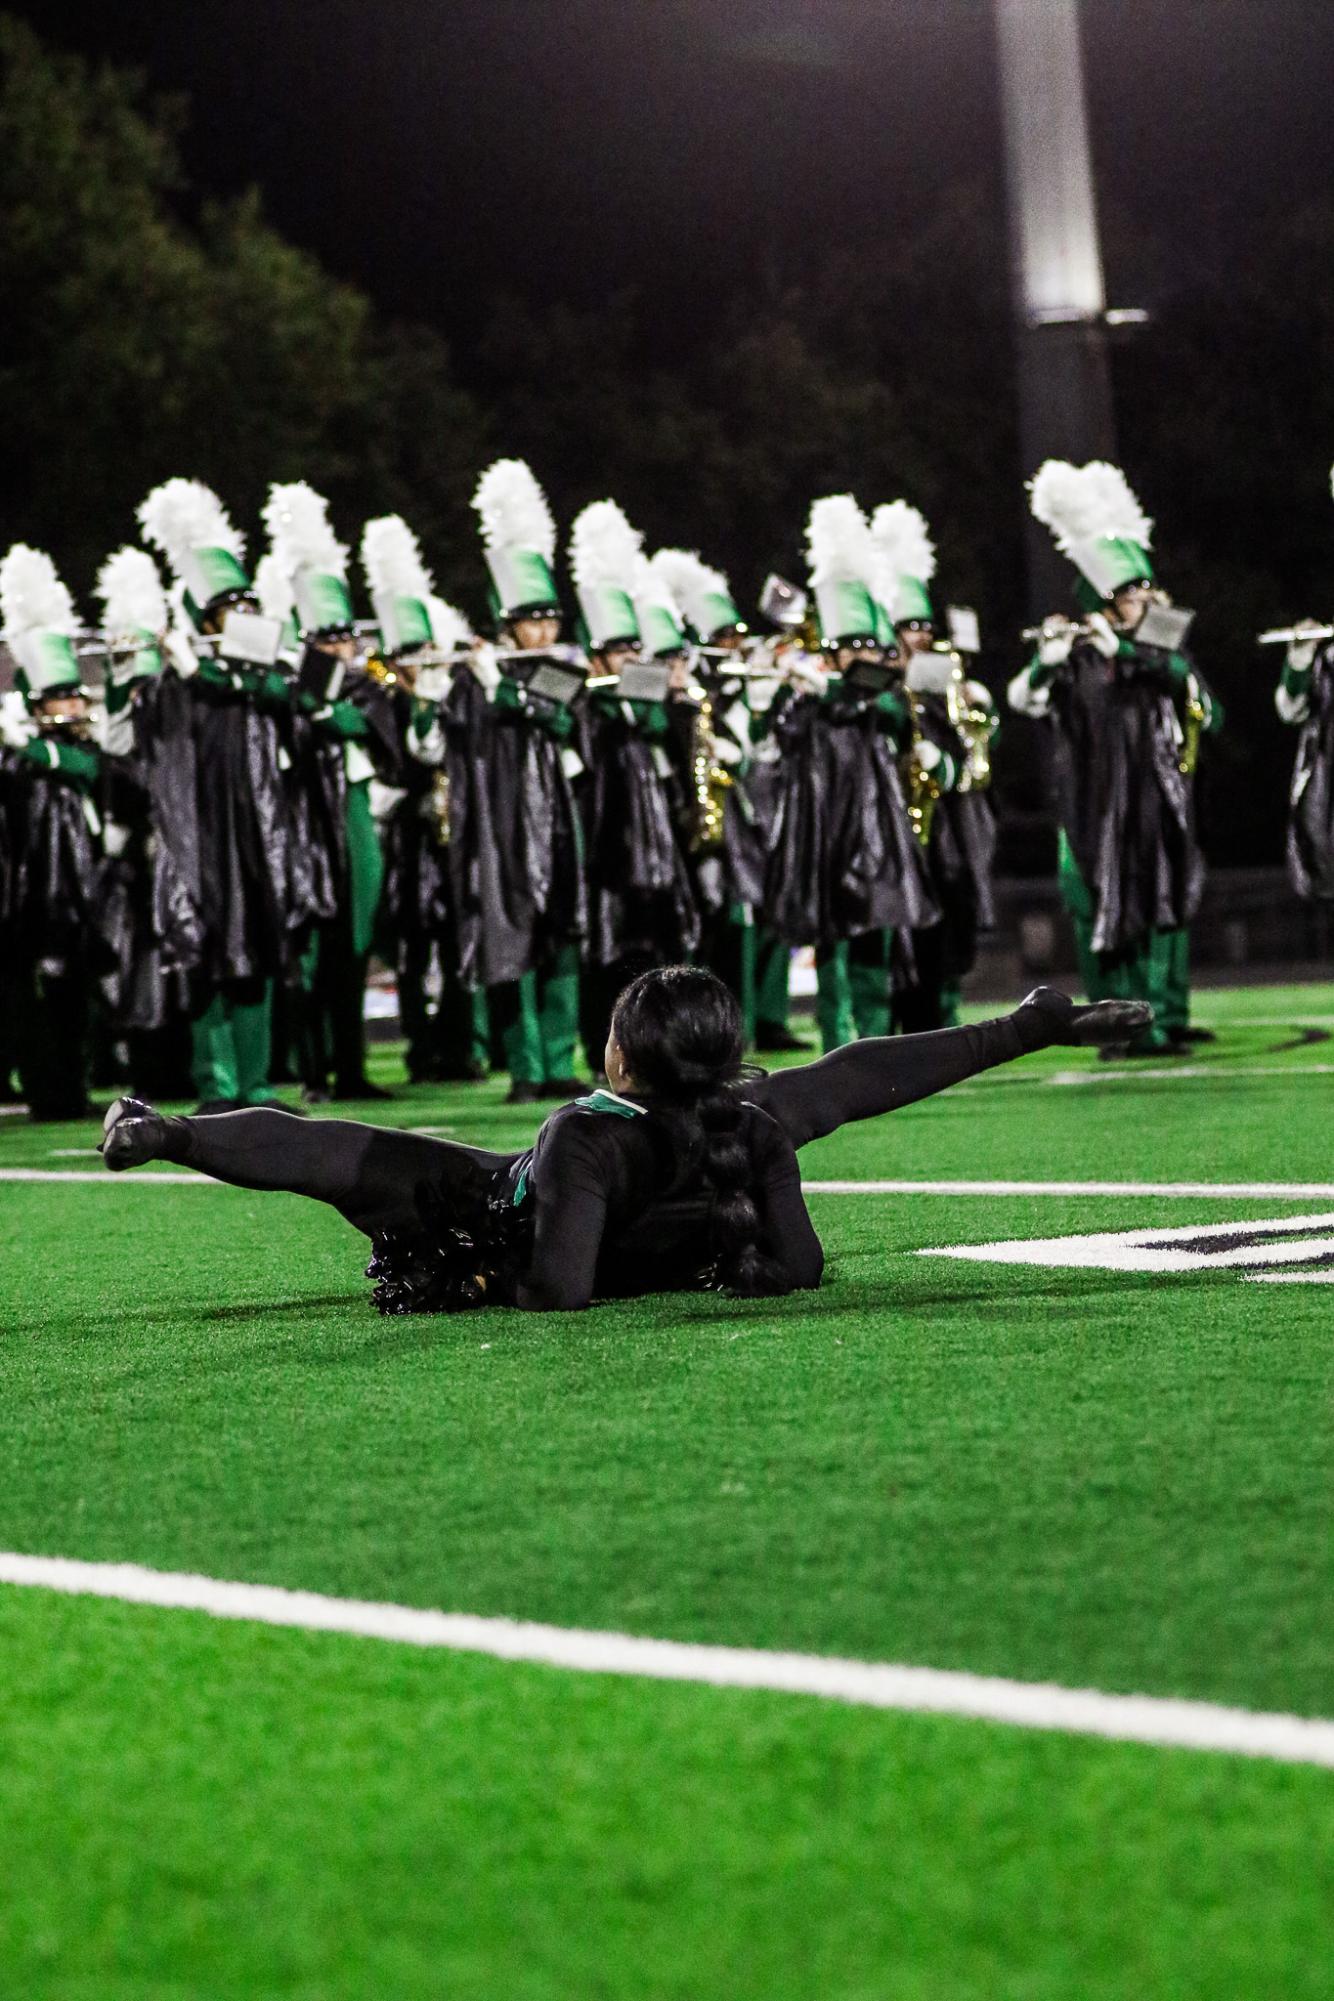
273 586
392 559
691 581
652 586
902 544
31 593
297 519
1081 503
184 514
449 628
513 509
133 600
604 548
838 540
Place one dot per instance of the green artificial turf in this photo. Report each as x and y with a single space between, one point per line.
247 1813
1094 1478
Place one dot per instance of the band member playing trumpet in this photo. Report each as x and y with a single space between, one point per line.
1305 699
525 768
1127 716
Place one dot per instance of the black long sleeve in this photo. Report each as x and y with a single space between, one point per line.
884 1073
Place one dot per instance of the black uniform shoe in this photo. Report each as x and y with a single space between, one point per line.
772 1038
132 1132
1102 1021
208 1108
565 1088
1130 1052
471 1072
523 1094
358 1089
1185 1037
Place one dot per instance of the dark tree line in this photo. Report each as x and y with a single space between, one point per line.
147 332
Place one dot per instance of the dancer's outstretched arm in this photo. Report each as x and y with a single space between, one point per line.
884 1073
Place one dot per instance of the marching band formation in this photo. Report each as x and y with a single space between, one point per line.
218 801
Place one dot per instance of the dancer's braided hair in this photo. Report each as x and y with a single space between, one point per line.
679 1031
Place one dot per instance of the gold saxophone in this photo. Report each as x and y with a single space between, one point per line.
710 784
438 808
923 785
973 725
1190 748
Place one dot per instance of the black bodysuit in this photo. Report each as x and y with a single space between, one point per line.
609 1217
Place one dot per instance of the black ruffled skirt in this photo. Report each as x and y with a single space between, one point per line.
471 1241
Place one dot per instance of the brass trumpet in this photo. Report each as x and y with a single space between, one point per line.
1294 635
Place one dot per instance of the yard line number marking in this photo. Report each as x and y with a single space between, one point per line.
1134 1719
1250 1248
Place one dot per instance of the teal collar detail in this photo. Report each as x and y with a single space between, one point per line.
608 1101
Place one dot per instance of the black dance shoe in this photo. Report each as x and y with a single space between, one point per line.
1186 1038
132 1132
523 1094
775 1038
1102 1021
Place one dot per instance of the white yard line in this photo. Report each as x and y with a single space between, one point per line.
100 1177
1134 1719
1223 1191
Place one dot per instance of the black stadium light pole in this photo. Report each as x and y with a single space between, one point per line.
1062 321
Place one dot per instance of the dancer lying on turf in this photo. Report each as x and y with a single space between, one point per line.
683 1176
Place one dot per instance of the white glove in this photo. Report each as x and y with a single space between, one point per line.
1100 632
1055 639
1301 653
928 754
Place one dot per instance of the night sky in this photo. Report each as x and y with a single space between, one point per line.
437 150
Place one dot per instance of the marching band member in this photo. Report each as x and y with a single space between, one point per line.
231 835
50 843
525 951
428 838
642 908
1304 699
714 742
341 738
846 869
955 822
1127 717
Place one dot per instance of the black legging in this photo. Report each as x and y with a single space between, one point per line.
370 1174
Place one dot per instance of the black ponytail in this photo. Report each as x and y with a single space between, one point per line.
679 1030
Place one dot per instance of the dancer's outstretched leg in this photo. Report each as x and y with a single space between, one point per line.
370 1174
884 1073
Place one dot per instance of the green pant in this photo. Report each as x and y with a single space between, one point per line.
852 989
1171 979
727 947
773 964
230 1050
1153 969
539 1021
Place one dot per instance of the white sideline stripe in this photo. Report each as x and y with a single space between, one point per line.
1225 1191
1132 1719
100 1177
